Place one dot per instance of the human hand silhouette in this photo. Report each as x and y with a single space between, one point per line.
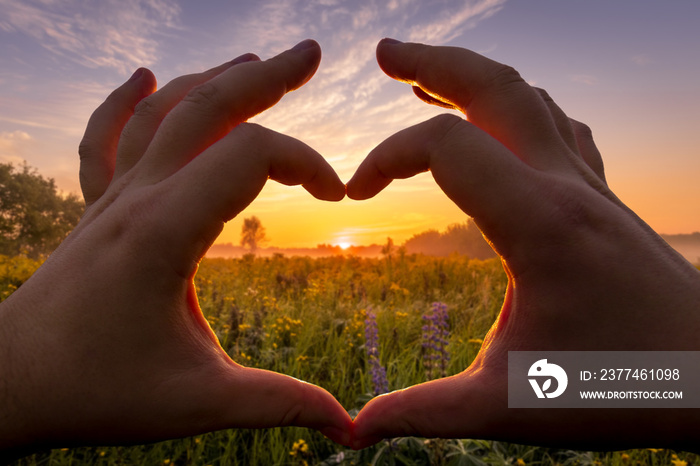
106 343
584 272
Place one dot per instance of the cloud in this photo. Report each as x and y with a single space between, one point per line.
343 112
453 21
586 79
350 102
116 34
59 108
13 145
641 59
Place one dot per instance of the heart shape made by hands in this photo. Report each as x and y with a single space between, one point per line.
124 325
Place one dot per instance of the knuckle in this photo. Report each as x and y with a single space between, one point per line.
447 126
86 148
252 133
256 140
502 78
568 217
140 207
504 75
206 96
446 121
447 142
582 130
544 94
147 108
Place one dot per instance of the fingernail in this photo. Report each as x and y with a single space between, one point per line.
137 74
304 45
244 58
390 41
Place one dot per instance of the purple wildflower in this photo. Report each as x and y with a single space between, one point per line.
379 381
435 334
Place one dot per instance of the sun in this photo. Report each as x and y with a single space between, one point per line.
344 245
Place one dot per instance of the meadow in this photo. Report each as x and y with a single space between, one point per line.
354 326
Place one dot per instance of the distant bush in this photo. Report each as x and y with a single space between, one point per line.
462 238
14 271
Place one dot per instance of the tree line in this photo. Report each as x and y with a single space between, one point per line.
34 216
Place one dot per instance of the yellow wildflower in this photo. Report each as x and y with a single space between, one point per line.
677 461
299 448
520 462
625 457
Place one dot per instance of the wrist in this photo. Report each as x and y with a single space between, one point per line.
17 437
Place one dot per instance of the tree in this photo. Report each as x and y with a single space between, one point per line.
388 248
469 240
34 217
463 238
252 233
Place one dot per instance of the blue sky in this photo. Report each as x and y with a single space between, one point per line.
627 68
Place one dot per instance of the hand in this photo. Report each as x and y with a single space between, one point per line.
106 344
585 273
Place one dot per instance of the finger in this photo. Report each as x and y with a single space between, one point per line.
454 407
224 395
493 96
211 110
223 180
481 176
98 147
429 99
577 136
274 400
149 113
560 119
587 148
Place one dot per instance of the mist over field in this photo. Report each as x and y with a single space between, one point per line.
687 245
460 238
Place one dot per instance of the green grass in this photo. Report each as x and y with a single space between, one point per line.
305 318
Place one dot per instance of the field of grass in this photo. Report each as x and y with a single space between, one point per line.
306 318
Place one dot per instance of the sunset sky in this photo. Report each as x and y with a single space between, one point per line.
629 69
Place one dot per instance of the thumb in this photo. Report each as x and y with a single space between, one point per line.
461 406
255 398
